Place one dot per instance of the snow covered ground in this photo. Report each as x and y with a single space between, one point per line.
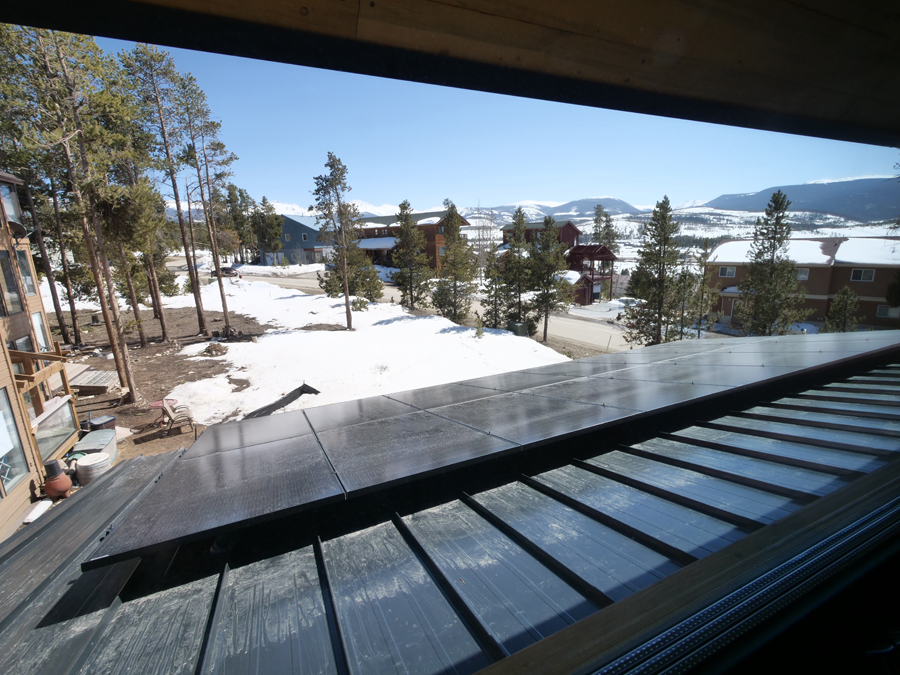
276 270
389 350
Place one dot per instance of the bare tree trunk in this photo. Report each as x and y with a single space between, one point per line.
157 297
76 331
45 264
214 248
193 275
191 221
132 296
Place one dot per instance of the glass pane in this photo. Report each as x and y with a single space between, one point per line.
55 429
11 297
25 271
37 320
10 203
12 456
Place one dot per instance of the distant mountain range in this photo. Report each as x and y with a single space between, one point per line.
818 206
864 200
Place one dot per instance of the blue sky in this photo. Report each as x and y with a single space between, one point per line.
402 140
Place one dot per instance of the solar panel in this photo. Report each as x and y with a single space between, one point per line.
243 434
348 413
201 495
401 448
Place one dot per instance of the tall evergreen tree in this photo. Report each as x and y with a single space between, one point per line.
240 207
705 293
453 292
338 221
552 293
842 312
153 74
647 322
267 226
604 230
411 260
517 269
497 295
770 293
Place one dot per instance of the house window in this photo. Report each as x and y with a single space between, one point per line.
287 237
25 270
303 236
887 312
11 299
802 274
726 271
37 320
441 252
13 467
862 275
10 203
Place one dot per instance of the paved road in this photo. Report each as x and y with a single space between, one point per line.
585 330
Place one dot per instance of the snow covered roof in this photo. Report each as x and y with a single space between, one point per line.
874 251
377 243
801 251
571 276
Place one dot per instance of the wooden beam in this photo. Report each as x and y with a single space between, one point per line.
44 374
21 357
818 68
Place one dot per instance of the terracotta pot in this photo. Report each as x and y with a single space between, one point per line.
57 483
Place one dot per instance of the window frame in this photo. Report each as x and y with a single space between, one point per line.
23 262
303 236
862 273
727 267
287 237
801 276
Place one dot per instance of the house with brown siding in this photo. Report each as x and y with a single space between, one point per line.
379 233
38 421
568 232
824 266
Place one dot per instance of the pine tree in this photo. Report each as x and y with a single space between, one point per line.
497 295
351 272
647 322
705 294
153 74
517 270
605 232
548 258
267 226
892 294
453 292
770 293
842 312
411 260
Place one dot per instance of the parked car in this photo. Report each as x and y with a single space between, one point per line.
226 272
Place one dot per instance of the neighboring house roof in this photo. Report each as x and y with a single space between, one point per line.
874 251
426 218
308 221
824 251
540 225
377 243
592 252
9 178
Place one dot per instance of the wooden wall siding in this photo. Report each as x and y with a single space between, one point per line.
811 61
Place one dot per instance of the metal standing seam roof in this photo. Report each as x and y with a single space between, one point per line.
474 579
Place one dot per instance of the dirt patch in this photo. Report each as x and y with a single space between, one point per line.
324 326
574 350
157 369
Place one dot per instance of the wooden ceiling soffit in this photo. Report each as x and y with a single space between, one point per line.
802 68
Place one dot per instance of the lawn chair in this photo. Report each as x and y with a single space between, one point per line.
178 415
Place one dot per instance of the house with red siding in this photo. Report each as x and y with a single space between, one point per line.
567 232
379 236
867 265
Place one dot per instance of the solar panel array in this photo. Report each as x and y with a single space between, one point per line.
240 472
457 585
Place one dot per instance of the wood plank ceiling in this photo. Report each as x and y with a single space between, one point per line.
823 68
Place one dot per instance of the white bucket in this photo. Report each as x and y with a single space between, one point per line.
91 466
